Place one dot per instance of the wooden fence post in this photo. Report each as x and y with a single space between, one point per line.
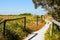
25 22
4 28
37 20
51 29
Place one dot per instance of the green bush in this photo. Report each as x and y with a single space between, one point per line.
26 14
12 35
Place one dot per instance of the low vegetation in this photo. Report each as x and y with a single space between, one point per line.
55 35
15 29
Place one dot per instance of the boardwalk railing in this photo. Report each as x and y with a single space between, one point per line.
56 22
4 23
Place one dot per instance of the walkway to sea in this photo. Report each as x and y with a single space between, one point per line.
39 35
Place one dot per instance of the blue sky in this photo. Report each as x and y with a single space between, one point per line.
19 6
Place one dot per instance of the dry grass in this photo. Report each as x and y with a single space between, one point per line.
35 27
31 24
48 18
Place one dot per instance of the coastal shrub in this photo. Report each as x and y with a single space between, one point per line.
12 35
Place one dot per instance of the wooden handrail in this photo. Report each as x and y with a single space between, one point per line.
56 22
14 19
2 21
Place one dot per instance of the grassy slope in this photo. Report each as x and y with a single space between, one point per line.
17 25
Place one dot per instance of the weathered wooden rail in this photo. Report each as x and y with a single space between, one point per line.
4 23
56 22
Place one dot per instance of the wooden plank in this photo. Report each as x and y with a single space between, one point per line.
56 22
